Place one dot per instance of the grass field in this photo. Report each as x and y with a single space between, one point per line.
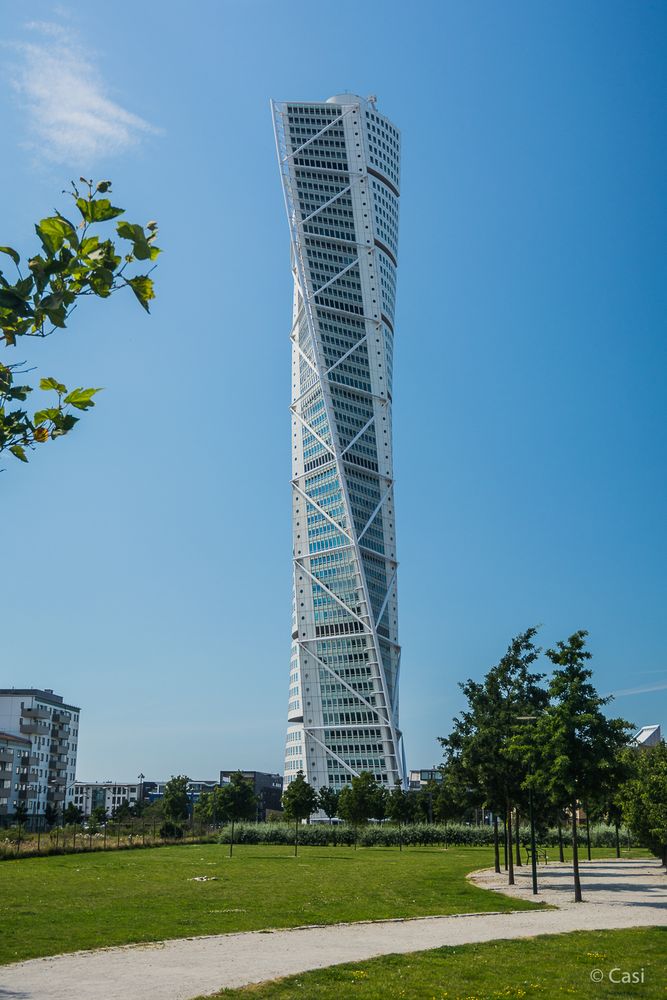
64 903
544 968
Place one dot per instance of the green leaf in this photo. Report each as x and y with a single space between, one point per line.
131 231
53 232
101 281
41 416
142 286
81 398
64 422
99 210
52 383
12 253
18 392
24 288
17 450
54 308
89 244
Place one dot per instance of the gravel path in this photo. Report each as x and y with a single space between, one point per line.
617 894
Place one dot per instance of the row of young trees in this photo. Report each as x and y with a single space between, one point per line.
527 739
524 739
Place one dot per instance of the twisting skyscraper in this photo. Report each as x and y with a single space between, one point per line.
339 163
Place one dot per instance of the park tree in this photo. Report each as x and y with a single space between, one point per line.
203 807
122 812
176 800
574 748
357 802
72 814
480 746
380 803
300 800
98 816
449 799
20 814
76 259
327 800
399 809
237 802
50 814
643 799
217 805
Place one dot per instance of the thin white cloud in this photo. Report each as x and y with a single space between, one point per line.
70 116
639 690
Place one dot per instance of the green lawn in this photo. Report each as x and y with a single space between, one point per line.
67 902
543 967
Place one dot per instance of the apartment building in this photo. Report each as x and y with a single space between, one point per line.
39 731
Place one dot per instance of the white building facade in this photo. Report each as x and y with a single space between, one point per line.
90 795
340 168
47 762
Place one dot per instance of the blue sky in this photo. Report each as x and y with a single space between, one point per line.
147 557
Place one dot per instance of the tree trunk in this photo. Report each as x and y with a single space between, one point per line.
561 854
505 842
588 833
400 836
575 854
664 856
618 839
510 859
518 837
496 846
231 840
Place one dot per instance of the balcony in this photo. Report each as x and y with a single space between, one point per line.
55 795
29 760
60 717
27 794
5 792
6 756
32 726
35 713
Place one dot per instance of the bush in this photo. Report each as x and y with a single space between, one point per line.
170 831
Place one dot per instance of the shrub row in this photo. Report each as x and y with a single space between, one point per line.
386 835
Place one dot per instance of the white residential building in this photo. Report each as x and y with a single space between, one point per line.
110 794
47 759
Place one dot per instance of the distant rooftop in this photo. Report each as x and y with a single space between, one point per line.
648 736
44 694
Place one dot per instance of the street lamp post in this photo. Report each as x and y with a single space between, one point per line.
533 853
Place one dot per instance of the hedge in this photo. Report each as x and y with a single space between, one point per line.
387 835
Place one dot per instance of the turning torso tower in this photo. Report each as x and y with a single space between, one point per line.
339 164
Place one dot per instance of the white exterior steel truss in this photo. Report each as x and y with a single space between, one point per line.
339 165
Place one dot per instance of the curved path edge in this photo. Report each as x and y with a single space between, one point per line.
618 894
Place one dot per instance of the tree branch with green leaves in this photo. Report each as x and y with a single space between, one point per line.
76 260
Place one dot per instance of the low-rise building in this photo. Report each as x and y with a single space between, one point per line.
90 795
267 787
50 729
418 779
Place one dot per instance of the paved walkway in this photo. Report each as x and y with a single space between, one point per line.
617 894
